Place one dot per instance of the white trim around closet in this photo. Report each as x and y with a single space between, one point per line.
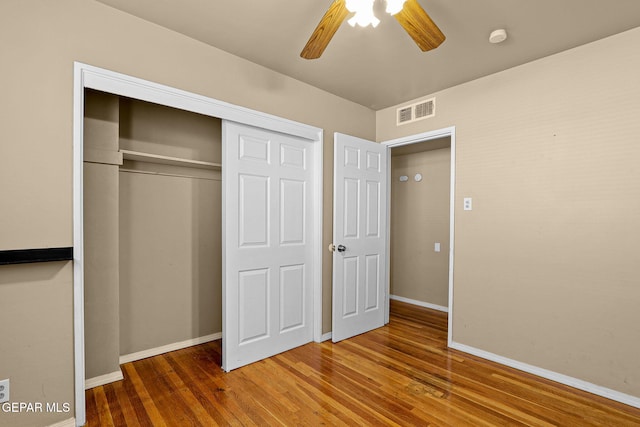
139 355
103 379
87 76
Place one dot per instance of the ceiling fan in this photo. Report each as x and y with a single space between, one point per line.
408 13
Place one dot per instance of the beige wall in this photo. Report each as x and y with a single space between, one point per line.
37 332
170 277
419 219
152 128
170 229
546 263
43 39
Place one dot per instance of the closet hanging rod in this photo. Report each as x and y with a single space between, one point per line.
168 174
167 160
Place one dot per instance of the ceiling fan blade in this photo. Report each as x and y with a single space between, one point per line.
419 26
325 30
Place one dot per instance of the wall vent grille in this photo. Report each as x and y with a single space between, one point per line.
424 109
405 114
418 111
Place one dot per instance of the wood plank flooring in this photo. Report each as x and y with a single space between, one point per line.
401 374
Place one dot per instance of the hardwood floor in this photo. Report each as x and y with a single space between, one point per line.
401 374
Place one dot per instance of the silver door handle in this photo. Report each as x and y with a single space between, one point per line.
341 248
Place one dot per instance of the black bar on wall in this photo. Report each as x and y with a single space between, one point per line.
23 256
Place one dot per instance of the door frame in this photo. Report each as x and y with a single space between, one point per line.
414 139
90 77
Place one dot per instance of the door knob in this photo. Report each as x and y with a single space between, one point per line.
341 248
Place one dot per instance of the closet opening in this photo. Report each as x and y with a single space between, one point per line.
153 230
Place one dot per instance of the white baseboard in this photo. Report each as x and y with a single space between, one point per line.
419 303
550 375
325 337
169 347
103 379
71 422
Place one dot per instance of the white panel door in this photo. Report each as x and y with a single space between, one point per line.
267 243
359 235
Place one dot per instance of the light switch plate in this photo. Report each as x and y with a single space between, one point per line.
436 247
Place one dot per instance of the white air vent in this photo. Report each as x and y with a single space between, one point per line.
418 111
405 115
425 109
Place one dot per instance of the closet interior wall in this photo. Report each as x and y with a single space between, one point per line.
101 237
161 228
419 219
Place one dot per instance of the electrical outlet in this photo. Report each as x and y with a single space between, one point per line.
4 391
468 204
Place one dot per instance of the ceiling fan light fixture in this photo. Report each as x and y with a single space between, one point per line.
363 13
364 19
394 6
409 14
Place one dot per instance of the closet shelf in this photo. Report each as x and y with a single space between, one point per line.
167 160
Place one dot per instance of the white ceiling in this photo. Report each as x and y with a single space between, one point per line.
382 67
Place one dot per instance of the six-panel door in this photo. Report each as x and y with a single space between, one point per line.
360 217
268 243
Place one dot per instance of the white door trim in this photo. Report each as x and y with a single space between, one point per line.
87 76
413 139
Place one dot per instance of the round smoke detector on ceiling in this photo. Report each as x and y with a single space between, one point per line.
497 36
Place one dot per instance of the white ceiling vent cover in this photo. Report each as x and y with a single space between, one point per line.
418 111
